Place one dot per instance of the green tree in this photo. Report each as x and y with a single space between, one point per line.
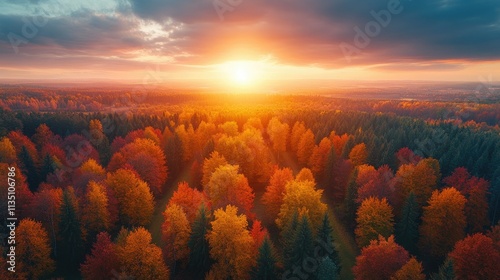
446 271
324 240
48 166
302 245
70 232
29 169
266 262
199 249
287 238
407 227
327 270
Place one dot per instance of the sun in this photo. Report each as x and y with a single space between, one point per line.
241 73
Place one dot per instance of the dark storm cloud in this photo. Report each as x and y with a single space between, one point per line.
310 31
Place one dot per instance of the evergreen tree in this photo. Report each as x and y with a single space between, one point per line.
302 245
407 228
48 167
350 205
331 161
266 262
199 257
348 147
287 235
29 169
446 271
327 270
70 232
324 241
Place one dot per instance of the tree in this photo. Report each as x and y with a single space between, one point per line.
102 260
189 199
420 179
476 257
298 130
327 270
275 191
175 232
46 208
199 257
135 201
374 218
28 166
358 154
443 222
70 231
324 241
301 196
266 262
140 258
96 216
412 270
305 174
407 227
147 159
319 156
7 151
209 166
278 133
230 245
305 147
380 260
258 234
33 250
42 136
446 271
376 183
302 244
227 186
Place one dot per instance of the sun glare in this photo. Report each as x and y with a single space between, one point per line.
241 73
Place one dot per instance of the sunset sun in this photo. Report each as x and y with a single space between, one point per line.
241 73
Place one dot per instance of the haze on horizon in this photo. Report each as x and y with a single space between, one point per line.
245 43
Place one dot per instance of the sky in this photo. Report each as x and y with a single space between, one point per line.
249 42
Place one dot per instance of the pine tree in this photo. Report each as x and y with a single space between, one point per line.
325 241
327 270
446 271
287 235
29 169
350 205
199 257
302 245
266 262
48 166
70 232
407 228
331 161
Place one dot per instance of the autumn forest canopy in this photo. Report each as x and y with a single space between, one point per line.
113 184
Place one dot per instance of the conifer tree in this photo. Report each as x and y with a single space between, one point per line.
302 244
324 240
407 227
287 238
29 169
446 271
327 270
70 231
266 262
199 254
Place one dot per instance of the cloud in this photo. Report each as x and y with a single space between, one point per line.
425 35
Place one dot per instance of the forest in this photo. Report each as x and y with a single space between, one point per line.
116 186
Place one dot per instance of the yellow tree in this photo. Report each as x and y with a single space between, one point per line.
210 164
135 201
303 197
275 191
175 232
96 217
305 147
7 151
412 270
305 174
231 245
227 186
358 154
278 133
374 218
443 222
319 156
140 258
33 250
420 179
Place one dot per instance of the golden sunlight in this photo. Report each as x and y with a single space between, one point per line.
241 73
